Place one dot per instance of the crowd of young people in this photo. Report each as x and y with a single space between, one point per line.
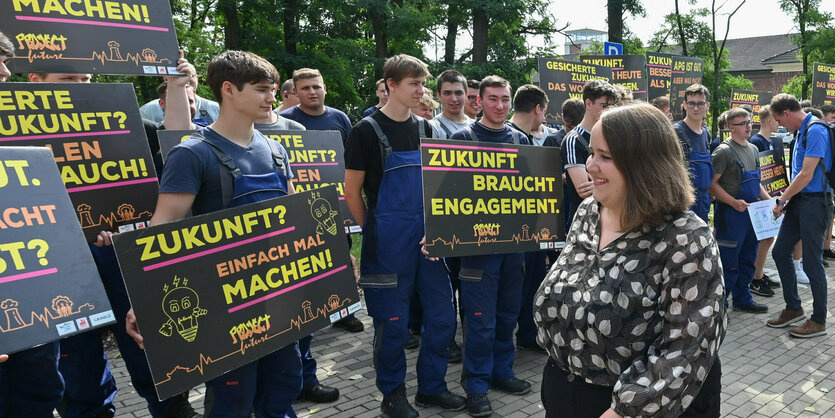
407 294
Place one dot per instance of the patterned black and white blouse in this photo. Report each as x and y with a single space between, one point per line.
645 314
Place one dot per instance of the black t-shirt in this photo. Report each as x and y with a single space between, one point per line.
574 153
364 153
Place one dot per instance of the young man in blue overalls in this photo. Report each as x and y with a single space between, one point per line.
695 139
736 184
382 156
491 285
196 178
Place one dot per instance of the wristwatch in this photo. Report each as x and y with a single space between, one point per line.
782 203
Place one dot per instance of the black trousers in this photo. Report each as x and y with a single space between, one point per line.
565 395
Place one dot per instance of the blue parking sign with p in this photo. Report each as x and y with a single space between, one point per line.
612 48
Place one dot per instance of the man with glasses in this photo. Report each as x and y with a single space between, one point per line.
473 106
694 139
736 184
288 96
597 96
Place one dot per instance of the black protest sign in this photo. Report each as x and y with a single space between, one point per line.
316 157
659 69
773 175
823 84
169 138
487 198
563 79
686 71
101 37
756 99
627 71
49 284
99 143
214 292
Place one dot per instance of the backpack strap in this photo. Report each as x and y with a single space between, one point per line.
278 157
385 146
825 174
226 181
516 136
471 133
737 158
421 127
445 128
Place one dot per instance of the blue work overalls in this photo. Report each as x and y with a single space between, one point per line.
269 385
30 384
491 297
393 267
701 171
732 225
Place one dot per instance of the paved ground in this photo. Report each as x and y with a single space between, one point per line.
766 373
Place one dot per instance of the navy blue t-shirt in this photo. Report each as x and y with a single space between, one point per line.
331 120
370 110
760 141
697 141
192 167
485 134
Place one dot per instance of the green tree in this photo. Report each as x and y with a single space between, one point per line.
809 19
617 11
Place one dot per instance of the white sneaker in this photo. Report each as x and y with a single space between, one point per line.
801 275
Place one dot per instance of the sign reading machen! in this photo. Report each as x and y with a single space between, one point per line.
486 198
214 292
316 157
91 36
563 79
49 285
98 140
627 71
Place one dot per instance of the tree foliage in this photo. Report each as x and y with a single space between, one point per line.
810 23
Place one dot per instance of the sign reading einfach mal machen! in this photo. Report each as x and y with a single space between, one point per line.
91 36
214 292
486 198
49 285
98 140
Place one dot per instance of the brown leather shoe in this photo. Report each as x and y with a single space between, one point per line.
808 330
786 318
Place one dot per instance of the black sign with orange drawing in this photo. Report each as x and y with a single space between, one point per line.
659 70
773 175
823 84
487 198
98 140
100 37
48 281
756 99
316 157
686 71
214 292
562 79
627 71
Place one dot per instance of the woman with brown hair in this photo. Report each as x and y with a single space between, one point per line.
632 313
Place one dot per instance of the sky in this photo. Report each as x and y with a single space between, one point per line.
755 18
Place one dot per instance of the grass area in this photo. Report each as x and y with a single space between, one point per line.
356 244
